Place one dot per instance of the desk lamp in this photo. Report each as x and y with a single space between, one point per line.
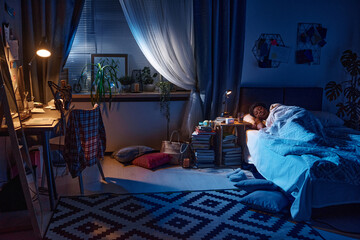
42 51
225 102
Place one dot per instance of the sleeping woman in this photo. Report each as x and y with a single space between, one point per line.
260 113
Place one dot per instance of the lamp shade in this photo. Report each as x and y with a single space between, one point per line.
43 49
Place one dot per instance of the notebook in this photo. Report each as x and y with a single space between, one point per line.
39 122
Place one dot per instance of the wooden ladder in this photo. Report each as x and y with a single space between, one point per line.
6 91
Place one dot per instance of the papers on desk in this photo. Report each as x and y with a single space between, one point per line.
37 110
39 122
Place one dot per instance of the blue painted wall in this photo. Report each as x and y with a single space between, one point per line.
342 20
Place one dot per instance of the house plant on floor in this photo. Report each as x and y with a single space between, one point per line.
148 79
349 108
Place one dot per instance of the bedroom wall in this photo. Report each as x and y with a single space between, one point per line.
136 123
342 20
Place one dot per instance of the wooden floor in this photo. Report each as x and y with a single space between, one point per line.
126 179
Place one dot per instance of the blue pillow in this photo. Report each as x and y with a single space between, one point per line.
251 185
127 154
268 201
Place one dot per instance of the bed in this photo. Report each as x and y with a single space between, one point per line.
308 173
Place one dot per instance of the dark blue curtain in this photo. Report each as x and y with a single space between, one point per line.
219 28
57 20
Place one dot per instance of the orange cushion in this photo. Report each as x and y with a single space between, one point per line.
152 160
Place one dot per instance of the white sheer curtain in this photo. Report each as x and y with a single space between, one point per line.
163 29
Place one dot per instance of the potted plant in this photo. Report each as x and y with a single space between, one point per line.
126 82
349 108
104 82
148 79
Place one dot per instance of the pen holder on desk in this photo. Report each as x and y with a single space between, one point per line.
30 105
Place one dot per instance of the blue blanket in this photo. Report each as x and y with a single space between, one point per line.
330 155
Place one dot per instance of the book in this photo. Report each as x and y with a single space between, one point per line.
231 149
39 122
201 146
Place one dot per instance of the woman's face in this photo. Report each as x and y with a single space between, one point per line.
261 112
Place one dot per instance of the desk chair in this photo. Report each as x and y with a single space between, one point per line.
85 142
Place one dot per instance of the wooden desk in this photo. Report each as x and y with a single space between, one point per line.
44 133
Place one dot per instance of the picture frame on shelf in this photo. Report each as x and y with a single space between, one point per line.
121 60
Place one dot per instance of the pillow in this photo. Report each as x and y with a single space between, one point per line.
250 119
128 154
251 185
328 119
269 201
152 160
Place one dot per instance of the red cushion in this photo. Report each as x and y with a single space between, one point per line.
152 160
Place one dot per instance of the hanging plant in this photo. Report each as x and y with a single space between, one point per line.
349 109
164 88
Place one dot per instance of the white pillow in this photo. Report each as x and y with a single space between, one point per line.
250 119
328 119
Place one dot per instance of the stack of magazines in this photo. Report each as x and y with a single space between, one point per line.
231 152
202 144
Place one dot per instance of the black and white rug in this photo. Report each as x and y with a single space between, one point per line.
216 214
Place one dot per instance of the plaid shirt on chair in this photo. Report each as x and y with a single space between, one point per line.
85 139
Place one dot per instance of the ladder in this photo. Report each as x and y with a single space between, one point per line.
16 134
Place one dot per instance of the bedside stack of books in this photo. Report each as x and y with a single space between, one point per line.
202 144
231 151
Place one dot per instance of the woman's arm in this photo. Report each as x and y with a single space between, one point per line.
259 124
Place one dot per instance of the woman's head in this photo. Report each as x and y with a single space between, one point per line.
259 110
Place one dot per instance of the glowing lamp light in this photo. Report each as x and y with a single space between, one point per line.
43 53
43 49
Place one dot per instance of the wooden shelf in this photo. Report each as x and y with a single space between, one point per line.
136 97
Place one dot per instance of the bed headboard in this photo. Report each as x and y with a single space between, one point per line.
309 98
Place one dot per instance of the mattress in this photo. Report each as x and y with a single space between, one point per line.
291 173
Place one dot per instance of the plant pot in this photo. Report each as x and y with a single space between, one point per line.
125 88
149 87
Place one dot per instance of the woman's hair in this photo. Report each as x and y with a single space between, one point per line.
252 107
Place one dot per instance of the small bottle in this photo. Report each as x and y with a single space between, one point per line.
240 117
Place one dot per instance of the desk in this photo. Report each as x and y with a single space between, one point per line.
44 132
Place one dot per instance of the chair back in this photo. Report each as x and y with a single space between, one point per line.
85 139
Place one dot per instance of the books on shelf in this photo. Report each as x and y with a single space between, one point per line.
202 144
232 149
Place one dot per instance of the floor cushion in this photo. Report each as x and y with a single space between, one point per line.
127 154
268 201
152 160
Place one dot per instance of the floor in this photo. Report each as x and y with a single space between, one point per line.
132 179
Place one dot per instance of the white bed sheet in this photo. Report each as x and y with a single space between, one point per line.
283 171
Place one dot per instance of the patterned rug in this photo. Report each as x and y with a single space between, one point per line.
216 214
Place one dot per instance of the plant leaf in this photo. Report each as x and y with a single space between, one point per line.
350 62
341 110
333 90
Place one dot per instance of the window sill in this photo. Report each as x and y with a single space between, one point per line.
136 97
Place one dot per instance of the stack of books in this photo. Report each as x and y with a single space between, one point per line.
202 144
231 153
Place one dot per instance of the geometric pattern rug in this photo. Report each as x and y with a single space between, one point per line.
213 214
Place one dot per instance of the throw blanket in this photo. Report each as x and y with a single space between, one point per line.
330 155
